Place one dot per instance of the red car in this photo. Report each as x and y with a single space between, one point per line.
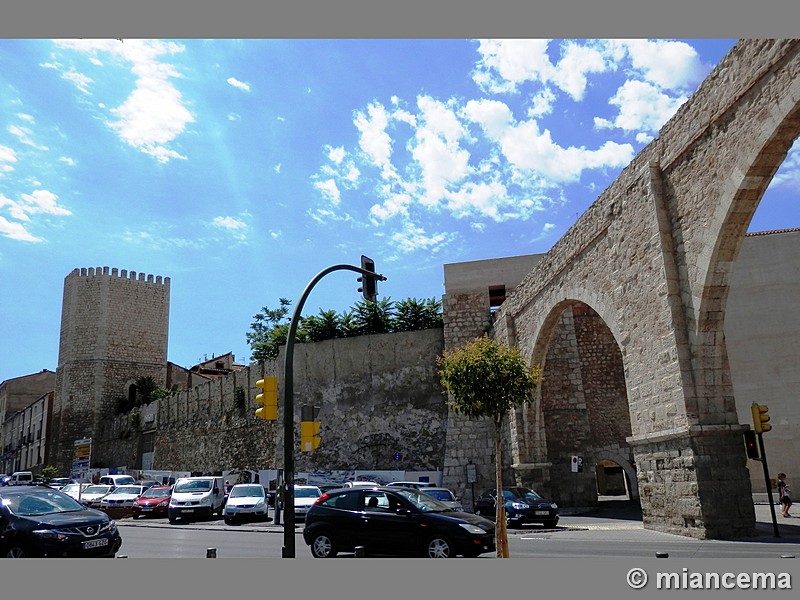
153 502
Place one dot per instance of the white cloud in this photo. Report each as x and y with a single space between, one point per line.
336 155
330 190
7 158
238 84
24 136
277 168
38 202
235 226
643 107
526 147
154 114
374 141
412 238
671 65
80 80
16 231
67 160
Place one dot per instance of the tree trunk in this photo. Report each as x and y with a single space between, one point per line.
501 531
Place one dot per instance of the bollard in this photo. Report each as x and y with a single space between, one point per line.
211 553
662 555
360 552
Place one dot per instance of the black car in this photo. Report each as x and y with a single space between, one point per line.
42 521
522 505
393 521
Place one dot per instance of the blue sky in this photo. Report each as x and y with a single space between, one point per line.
241 168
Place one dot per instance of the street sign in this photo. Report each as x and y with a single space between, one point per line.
472 473
577 464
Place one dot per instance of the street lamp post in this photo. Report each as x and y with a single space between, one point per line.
288 550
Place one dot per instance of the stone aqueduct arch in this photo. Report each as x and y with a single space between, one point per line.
651 259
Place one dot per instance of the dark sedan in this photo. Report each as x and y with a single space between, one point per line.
43 522
522 505
393 521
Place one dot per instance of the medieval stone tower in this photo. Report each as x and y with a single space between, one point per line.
114 328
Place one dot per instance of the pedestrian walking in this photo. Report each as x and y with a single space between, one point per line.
784 494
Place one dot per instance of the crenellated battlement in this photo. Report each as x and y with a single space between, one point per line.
120 274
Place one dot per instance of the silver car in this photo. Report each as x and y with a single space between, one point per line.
245 501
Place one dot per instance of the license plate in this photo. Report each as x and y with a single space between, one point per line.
188 510
146 509
543 512
95 543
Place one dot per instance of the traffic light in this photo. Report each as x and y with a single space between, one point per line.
369 284
309 428
760 418
268 398
750 444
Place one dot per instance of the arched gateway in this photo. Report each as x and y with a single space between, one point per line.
625 313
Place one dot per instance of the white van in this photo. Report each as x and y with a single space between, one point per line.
194 497
21 478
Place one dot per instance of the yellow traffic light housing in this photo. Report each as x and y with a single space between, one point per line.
309 436
760 418
268 398
309 428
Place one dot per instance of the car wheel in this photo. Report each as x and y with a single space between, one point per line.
16 550
512 522
550 524
228 521
439 547
172 519
472 554
323 546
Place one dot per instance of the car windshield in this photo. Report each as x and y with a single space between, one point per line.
195 485
247 491
529 494
127 490
97 489
71 487
440 495
124 481
40 503
424 502
156 493
307 493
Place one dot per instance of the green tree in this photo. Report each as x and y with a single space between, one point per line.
324 326
412 314
268 331
48 473
487 379
371 318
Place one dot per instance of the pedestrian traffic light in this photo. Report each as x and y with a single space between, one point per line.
309 428
760 418
268 398
750 444
369 283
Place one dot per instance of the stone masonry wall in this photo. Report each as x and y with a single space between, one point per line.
378 396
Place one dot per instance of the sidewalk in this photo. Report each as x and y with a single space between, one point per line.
622 519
